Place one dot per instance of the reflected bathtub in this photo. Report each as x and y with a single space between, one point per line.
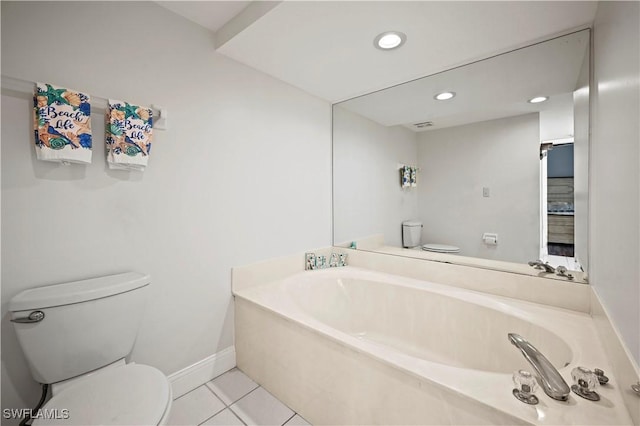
354 346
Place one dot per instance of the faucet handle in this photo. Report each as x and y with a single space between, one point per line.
525 387
602 379
537 264
563 272
585 383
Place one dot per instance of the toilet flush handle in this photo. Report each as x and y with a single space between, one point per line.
35 316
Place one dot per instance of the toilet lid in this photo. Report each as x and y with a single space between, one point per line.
134 394
441 248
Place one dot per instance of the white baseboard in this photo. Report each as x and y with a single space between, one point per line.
201 372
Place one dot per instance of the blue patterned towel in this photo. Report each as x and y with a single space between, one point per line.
129 134
62 123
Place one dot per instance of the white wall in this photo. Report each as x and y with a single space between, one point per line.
242 174
556 121
615 167
581 165
457 162
368 197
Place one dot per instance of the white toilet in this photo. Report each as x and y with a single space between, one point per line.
411 232
75 336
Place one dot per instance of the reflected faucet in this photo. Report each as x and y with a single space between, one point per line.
550 379
538 264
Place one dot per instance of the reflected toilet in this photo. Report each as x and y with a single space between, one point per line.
411 233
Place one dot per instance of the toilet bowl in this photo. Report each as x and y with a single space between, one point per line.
411 233
75 336
440 248
132 394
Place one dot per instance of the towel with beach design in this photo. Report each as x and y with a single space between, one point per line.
129 130
62 123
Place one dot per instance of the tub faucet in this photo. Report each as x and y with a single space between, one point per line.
550 379
538 264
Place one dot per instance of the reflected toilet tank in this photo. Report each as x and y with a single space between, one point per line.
411 232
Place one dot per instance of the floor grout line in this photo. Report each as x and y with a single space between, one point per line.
209 418
214 394
217 412
228 406
239 398
205 385
292 416
183 395
244 395
237 415
233 368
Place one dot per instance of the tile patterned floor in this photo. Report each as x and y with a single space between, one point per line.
232 399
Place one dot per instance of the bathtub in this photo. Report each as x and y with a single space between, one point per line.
354 346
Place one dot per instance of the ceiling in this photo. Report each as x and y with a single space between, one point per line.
326 47
494 88
209 14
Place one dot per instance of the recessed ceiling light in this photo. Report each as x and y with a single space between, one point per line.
444 96
389 40
537 99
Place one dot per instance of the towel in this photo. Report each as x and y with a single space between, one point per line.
129 131
405 176
62 123
414 177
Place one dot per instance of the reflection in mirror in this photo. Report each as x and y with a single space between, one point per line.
498 180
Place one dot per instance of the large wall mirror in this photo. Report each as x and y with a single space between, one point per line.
488 177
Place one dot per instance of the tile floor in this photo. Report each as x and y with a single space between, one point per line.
232 399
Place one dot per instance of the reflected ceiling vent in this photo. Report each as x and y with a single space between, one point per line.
423 124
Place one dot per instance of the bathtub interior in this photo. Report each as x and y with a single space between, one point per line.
426 324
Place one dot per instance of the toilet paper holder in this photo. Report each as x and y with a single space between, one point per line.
490 239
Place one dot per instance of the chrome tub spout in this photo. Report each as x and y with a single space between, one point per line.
539 264
550 379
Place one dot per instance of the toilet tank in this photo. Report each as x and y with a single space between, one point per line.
86 325
411 231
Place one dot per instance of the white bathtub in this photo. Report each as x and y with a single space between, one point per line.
348 345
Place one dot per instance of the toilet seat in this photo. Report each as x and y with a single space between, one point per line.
441 248
133 394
